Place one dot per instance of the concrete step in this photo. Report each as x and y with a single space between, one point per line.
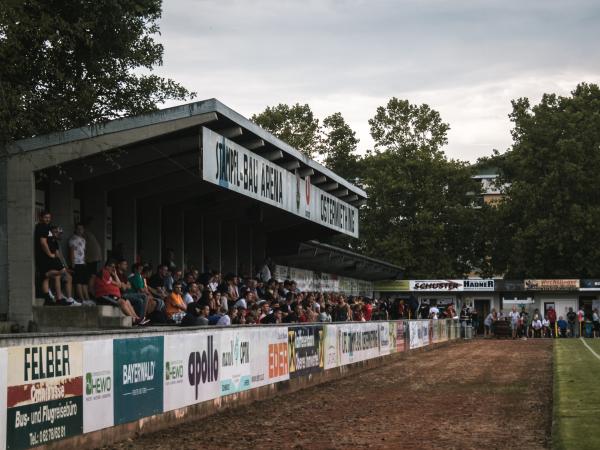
74 318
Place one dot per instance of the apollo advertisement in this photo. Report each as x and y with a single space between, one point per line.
138 367
98 399
306 350
192 365
44 395
236 168
3 373
269 361
236 352
357 342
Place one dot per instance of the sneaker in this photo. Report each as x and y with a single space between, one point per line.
48 300
144 321
68 302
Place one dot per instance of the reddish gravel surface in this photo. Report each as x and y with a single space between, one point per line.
481 394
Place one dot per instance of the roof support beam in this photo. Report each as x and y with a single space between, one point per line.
231 132
273 156
306 172
342 192
319 179
253 144
290 165
330 186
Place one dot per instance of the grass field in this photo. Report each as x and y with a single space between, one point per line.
576 416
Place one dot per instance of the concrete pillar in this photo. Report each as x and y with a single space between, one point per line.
125 226
3 242
61 206
173 222
193 242
93 205
20 199
150 231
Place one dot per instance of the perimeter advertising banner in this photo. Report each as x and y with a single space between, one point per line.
358 342
98 398
231 166
44 396
385 341
332 358
3 373
269 362
192 366
138 367
418 333
401 335
236 351
306 350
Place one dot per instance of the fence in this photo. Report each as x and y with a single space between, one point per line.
52 388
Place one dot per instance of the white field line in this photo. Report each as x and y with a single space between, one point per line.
590 348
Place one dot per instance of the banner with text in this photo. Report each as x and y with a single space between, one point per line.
306 350
358 342
44 396
231 166
192 369
138 366
3 374
98 399
269 359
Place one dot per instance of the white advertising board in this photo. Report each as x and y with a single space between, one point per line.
385 338
358 341
98 386
452 285
269 357
231 166
332 343
236 350
192 369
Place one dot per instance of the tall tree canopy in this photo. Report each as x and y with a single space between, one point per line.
67 64
418 214
550 222
338 147
296 125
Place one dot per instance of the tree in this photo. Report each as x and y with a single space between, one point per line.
70 64
418 214
295 125
550 222
339 147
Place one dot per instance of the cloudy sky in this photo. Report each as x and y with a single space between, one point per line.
467 59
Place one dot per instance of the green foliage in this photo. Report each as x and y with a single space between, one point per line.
418 214
339 147
67 64
551 220
295 125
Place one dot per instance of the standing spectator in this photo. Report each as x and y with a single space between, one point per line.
367 310
572 321
563 327
514 321
551 316
475 320
81 276
342 312
325 314
596 322
265 271
488 323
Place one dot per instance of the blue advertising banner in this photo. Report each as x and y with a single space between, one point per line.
138 369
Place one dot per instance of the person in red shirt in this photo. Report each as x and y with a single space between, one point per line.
367 310
107 290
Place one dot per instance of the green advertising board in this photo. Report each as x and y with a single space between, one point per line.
138 368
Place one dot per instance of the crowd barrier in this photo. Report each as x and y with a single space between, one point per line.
52 389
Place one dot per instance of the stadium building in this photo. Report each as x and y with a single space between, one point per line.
199 179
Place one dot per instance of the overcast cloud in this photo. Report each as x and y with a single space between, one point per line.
467 59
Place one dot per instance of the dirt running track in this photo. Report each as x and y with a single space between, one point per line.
481 394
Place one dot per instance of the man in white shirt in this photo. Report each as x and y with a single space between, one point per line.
77 253
514 321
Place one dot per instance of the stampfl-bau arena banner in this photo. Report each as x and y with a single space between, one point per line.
56 390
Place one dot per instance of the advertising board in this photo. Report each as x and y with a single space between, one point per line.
305 350
358 341
236 350
401 335
98 399
551 285
418 333
269 361
44 395
191 369
331 343
384 338
233 167
138 368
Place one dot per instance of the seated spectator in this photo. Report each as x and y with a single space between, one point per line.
196 315
108 292
536 326
273 317
562 326
174 303
227 316
138 300
157 283
192 294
